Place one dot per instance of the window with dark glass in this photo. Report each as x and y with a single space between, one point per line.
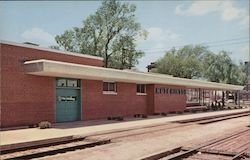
141 88
109 86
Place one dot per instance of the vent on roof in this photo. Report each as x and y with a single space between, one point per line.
29 43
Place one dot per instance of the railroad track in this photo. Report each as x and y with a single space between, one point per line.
105 138
80 143
215 149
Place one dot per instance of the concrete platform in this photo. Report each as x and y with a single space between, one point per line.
87 128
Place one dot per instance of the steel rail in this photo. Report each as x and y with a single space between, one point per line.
188 153
195 150
239 155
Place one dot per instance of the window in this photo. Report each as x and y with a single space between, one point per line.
192 95
71 83
63 82
109 86
141 88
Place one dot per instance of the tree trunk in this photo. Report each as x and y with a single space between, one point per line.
106 59
106 55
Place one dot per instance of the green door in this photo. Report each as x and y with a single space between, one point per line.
68 104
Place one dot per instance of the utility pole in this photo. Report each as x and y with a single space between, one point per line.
247 63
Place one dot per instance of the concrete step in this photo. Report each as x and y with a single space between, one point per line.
54 149
246 102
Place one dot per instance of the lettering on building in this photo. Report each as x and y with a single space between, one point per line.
163 90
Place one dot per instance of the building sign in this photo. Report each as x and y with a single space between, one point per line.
66 98
163 90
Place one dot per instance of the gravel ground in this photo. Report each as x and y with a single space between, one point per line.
149 142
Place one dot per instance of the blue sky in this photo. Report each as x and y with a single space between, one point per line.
169 24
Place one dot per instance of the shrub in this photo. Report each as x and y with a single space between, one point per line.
193 110
109 118
156 114
137 115
44 125
204 110
120 119
163 114
179 112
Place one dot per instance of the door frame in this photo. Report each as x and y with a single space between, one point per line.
80 94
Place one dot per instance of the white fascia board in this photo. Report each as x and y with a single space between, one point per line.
71 70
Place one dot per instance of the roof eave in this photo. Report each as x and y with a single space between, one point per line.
63 69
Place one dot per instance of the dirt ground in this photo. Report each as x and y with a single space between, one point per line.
137 144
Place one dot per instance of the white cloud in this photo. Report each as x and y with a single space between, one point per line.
227 10
159 40
198 8
157 34
38 35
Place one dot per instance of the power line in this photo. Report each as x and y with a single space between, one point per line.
204 43
185 45
209 46
229 44
225 40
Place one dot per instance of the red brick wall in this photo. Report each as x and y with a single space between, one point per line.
27 99
169 102
96 105
151 98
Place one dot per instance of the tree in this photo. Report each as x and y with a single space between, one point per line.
220 68
184 63
211 68
199 62
103 32
125 54
236 74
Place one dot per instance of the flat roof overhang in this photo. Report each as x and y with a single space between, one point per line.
43 67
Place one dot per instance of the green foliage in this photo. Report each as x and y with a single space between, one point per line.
125 54
198 62
211 68
220 68
184 63
103 33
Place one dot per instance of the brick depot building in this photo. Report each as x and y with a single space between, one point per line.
40 84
